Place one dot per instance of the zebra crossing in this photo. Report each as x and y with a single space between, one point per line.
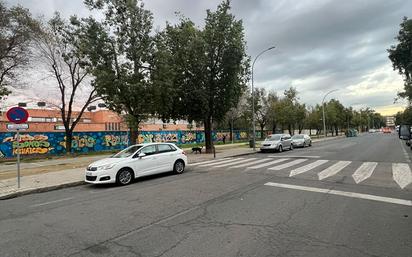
360 172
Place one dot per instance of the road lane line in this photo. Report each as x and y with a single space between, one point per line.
343 193
242 161
364 171
288 164
307 167
401 174
55 201
250 163
220 162
204 162
333 170
267 164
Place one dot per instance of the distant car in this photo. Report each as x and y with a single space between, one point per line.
137 161
301 140
386 130
277 142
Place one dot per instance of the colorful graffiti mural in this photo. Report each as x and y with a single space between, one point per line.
115 140
53 143
160 136
79 142
28 144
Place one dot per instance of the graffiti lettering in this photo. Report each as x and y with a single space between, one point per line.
114 140
37 144
79 142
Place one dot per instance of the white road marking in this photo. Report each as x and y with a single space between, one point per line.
401 174
55 201
230 163
333 170
307 167
343 193
198 163
364 171
267 164
220 162
250 163
295 156
404 152
288 164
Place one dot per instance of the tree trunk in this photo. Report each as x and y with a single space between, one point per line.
68 141
290 129
261 131
134 133
274 128
208 135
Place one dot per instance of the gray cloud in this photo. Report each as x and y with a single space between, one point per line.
320 45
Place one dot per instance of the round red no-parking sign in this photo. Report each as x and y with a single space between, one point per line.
17 115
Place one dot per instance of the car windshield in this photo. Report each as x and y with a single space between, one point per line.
297 137
127 152
273 138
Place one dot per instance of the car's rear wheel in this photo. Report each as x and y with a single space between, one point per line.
304 144
280 149
124 177
179 167
291 147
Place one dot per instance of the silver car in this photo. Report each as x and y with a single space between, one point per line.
277 142
301 140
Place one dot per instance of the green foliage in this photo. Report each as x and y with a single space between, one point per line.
200 74
401 57
119 49
16 30
404 117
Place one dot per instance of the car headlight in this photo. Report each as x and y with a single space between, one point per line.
106 167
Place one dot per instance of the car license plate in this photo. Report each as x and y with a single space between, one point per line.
89 174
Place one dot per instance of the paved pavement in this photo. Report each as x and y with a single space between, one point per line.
238 206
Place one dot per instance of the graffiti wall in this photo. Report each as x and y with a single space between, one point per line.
53 143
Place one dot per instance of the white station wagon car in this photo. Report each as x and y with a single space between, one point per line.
137 161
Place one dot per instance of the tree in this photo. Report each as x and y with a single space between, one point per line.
401 57
262 108
210 66
119 49
16 30
57 47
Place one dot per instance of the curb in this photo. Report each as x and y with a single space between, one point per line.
41 190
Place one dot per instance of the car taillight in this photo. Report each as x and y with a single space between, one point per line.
183 152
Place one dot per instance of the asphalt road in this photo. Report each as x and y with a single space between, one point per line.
232 207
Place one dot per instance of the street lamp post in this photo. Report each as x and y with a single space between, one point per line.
323 110
253 96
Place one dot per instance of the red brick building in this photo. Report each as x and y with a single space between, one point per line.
49 120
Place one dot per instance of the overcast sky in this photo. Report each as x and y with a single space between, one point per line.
320 44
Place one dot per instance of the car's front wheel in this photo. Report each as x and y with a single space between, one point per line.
179 167
280 149
124 177
291 147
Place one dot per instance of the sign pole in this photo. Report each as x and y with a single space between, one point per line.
18 158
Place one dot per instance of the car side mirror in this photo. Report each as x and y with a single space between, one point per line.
141 155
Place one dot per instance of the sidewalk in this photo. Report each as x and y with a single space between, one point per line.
45 175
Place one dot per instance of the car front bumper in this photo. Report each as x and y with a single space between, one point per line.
100 177
269 147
